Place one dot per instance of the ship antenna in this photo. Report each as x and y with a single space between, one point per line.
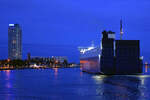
121 30
92 44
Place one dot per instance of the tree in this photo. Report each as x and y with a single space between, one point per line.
65 63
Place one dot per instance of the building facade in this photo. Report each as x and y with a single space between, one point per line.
14 41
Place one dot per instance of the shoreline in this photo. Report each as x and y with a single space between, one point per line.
36 68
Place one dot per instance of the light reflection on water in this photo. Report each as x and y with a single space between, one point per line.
123 87
7 78
146 69
71 84
55 72
7 83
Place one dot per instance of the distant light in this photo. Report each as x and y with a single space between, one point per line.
11 24
141 57
99 56
143 76
99 77
90 48
35 65
101 46
121 32
86 49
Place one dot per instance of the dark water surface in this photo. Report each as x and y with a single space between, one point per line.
71 84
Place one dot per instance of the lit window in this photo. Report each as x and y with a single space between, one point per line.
14 41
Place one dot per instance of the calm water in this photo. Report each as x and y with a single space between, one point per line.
71 84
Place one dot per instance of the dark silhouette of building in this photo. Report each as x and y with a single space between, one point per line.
14 41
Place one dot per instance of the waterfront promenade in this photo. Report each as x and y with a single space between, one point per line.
72 84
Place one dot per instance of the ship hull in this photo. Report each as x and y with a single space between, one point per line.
91 64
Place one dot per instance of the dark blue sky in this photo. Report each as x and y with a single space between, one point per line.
56 25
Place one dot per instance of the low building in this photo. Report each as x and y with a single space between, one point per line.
60 59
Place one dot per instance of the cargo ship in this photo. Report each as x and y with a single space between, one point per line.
112 56
90 59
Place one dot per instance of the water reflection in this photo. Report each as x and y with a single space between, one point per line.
7 72
81 73
8 84
146 66
55 72
146 69
71 84
119 87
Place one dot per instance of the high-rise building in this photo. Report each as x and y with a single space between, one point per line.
14 41
28 56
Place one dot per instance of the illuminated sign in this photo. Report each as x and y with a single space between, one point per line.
11 25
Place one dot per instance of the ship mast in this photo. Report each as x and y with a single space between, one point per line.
121 30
